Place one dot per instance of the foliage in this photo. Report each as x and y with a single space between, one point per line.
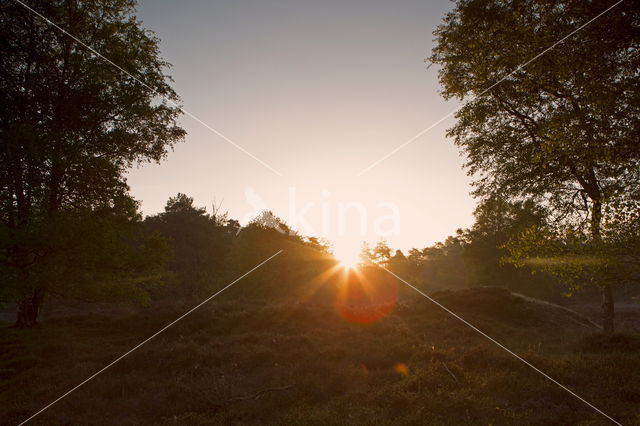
71 125
550 112
199 241
496 223
564 127
442 265
571 255
88 254
290 275
380 254
473 257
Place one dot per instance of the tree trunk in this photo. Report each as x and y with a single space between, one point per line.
607 309
28 309
596 219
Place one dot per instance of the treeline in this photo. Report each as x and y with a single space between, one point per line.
552 147
477 256
521 246
208 250
182 253
71 125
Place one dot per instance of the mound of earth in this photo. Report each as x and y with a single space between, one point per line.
502 305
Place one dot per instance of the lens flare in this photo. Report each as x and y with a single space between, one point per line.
365 295
347 255
401 368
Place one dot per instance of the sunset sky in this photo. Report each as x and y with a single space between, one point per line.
318 90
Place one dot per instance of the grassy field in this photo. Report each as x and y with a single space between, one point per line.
248 362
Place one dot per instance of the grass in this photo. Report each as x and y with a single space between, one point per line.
248 362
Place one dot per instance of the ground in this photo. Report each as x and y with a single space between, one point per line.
248 362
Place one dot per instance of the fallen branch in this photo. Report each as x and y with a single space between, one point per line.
258 394
449 371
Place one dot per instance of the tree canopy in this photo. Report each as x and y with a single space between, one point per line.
564 127
71 124
547 114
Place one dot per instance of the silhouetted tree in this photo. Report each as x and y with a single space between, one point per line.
445 264
399 264
289 275
71 125
497 222
199 242
379 254
564 128
319 244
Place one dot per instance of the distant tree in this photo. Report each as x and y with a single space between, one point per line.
71 125
564 128
266 219
476 256
399 265
444 262
319 244
416 267
441 265
183 204
497 222
200 243
379 254
398 257
284 276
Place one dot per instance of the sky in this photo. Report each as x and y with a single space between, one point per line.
317 90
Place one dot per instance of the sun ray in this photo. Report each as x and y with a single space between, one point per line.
347 253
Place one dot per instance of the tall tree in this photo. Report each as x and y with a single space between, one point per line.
70 123
564 128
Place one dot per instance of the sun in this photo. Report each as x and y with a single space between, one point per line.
347 254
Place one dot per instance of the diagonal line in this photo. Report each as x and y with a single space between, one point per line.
151 337
422 132
95 52
505 348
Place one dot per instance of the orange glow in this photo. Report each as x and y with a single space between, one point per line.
401 368
365 295
346 252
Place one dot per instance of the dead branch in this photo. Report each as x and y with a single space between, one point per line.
257 395
450 372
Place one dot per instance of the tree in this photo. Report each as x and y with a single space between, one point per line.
321 245
563 129
286 276
380 254
72 124
498 222
570 256
445 263
200 243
